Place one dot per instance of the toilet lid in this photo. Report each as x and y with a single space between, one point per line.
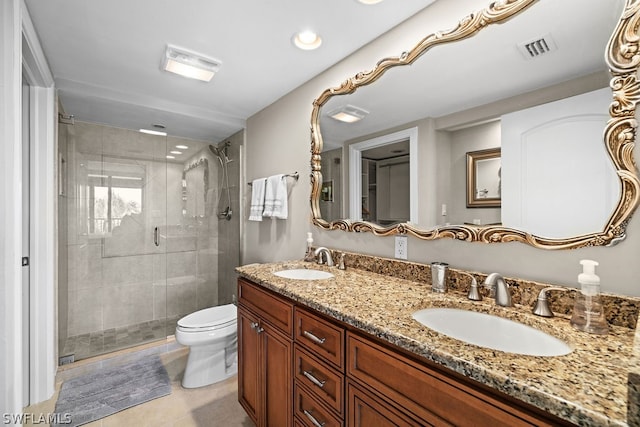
219 316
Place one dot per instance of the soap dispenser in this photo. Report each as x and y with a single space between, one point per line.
309 255
588 312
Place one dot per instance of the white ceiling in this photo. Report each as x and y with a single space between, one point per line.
105 55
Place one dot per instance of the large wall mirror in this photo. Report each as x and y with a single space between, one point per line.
551 84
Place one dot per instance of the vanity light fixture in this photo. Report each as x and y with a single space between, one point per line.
153 132
189 64
307 40
348 114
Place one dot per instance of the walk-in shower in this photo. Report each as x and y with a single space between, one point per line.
142 240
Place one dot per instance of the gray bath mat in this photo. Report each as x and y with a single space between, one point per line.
110 390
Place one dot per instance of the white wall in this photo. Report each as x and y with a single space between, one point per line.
278 140
480 137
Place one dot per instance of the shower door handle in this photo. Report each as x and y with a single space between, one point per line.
156 240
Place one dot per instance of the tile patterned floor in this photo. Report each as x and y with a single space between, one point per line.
101 342
214 405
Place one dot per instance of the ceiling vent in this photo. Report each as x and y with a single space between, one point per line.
537 47
348 113
188 63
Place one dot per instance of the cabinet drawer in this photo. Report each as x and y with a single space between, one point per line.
311 413
271 308
321 380
364 409
320 337
429 394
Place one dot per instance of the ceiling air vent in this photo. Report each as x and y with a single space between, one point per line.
538 47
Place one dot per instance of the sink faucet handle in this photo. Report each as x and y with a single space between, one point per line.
341 265
541 307
474 293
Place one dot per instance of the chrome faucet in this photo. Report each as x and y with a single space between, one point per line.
496 283
327 253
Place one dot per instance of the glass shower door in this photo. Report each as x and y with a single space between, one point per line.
117 209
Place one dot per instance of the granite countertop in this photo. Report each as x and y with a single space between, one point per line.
589 386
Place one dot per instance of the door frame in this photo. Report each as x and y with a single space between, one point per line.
20 47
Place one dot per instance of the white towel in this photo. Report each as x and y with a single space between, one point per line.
257 199
275 198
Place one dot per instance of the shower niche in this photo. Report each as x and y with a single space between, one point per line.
143 245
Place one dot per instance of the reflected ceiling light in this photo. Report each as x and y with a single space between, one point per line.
153 132
170 157
189 64
307 40
348 114
182 147
175 152
369 1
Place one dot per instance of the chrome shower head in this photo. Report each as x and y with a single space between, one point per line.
221 151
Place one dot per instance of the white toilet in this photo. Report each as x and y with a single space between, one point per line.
211 335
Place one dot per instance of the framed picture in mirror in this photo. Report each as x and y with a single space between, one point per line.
327 191
484 178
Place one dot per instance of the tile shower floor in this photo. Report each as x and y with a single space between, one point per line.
101 342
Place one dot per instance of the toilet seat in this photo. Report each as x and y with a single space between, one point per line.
209 319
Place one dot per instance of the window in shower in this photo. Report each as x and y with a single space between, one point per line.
117 191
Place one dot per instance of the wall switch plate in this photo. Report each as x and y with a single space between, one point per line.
401 247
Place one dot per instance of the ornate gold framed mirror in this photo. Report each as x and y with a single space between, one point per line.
555 164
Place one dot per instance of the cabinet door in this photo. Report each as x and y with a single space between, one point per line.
249 364
277 356
365 410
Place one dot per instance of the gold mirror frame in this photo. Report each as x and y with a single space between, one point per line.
622 57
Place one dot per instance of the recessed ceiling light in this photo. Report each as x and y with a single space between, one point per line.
175 152
348 114
153 132
307 40
170 157
369 1
189 64
182 147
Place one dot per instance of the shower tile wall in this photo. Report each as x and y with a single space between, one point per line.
122 279
229 231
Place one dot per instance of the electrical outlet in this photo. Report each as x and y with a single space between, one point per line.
401 247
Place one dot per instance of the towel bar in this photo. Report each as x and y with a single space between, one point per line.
294 175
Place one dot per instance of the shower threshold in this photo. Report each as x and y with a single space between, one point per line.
109 340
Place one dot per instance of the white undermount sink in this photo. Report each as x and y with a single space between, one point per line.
486 330
303 274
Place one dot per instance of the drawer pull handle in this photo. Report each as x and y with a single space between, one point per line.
256 327
313 379
313 419
314 338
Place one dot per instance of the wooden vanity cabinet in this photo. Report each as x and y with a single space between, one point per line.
298 367
265 352
318 370
430 395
